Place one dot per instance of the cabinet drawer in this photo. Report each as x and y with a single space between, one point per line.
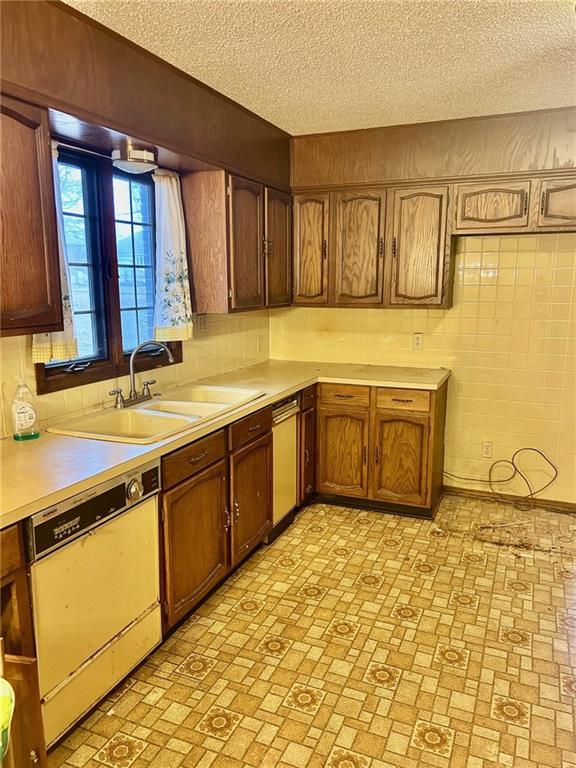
403 399
187 461
250 427
11 551
308 397
349 394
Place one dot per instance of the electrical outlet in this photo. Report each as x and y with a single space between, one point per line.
417 341
487 450
200 325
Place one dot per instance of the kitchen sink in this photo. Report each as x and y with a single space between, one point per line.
156 419
226 396
128 425
198 410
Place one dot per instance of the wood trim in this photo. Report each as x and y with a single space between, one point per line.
565 507
99 80
466 149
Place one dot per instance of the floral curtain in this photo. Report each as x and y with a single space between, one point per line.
172 306
59 345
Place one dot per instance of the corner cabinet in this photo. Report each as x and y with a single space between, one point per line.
381 444
30 300
237 253
419 248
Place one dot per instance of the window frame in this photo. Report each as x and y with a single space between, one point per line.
55 378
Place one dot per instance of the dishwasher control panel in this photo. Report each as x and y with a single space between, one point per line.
54 527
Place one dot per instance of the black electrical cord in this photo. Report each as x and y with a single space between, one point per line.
524 502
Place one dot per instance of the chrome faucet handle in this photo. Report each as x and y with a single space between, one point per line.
119 401
146 388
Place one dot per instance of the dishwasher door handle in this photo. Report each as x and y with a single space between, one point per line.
285 415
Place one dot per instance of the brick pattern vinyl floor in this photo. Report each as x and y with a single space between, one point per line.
365 640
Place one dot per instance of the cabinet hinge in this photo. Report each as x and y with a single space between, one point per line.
394 248
229 293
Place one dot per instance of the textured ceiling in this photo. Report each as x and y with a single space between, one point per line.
325 65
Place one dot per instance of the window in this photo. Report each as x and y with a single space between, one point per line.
109 231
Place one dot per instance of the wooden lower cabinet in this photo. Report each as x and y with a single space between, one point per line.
400 457
343 455
307 453
195 530
402 433
27 745
250 496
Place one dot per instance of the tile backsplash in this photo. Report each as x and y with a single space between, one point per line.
229 342
509 339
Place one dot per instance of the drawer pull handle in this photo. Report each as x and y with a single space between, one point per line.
254 427
401 400
196 459
343 397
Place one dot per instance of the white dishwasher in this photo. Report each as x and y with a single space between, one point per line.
285 458
95 593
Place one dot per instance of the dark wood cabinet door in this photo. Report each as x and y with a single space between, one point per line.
30 299
311 249
557 204
399 462
278 248
489 206
27 746
343 451
359 247
307 453
250 495
246 232
418 245
195 524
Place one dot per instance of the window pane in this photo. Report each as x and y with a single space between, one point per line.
75 237
143 249
144 287
129 330
121 198
124 243
126 283
71 188
85 335
141 202
145 324
81 289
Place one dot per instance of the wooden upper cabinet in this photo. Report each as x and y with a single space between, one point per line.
343 451
400 457
311 249
496 205
557 203
246 229
359 247
419 245
30 299
278 247
250 496
195 523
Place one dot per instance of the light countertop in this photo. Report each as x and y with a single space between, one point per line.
40 473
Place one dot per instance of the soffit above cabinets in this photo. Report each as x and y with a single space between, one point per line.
313 66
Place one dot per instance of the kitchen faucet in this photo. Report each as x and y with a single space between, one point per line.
134 397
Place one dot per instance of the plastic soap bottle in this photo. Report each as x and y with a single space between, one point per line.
24 413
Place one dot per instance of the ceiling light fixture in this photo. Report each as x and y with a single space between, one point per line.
133 160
